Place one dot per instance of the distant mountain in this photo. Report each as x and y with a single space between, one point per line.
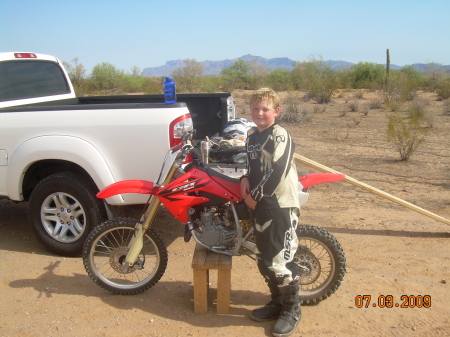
215 67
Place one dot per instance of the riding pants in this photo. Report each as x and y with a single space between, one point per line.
277 243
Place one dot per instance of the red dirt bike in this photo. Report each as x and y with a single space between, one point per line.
126 256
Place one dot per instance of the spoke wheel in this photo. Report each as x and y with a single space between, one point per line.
104 256
322 263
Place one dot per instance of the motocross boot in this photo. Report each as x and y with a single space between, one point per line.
290 314
272 309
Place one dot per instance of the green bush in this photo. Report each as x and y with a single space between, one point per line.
317 79
237 76
443 88
367 75
211 84
405 135
280 80
106 77
400 88
152 85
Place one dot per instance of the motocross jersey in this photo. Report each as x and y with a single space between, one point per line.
271 169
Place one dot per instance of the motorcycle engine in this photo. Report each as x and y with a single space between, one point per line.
216 229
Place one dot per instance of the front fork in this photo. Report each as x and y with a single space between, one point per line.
137 241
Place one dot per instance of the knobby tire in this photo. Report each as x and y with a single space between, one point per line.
104 252
324 257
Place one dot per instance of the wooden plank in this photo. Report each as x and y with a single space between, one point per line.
212 260
201 291
225 261
198 260
369 188
223 291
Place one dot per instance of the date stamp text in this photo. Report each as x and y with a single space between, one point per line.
389 301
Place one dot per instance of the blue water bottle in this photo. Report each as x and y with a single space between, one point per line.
170 93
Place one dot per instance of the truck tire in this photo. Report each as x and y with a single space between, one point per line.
64 209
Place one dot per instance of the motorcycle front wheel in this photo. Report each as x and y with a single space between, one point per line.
322 263
104 254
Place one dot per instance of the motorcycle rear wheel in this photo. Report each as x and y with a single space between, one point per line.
104 254
322 263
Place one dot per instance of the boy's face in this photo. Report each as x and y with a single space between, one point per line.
264 114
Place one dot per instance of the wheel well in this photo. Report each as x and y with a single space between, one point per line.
39 170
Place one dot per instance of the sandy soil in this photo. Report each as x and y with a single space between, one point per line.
390 249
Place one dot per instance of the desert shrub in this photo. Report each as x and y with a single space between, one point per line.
399 88
443 88
394 105
78 77
415 77
417 110
357 119
259 74
359 94
354 106
189 77
343 113
317 79
294 112
317 108
210 84
367 75
280 80
152 85
365 110
434 73
135 84
376 104
237 76
446 107
345 77
405 134
106 77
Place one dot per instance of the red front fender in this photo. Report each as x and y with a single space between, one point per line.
127 186
319 178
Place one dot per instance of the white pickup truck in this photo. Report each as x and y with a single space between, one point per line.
57 151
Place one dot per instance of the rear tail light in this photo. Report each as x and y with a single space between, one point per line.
178 127
25 55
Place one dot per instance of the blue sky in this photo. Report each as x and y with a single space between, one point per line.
147 33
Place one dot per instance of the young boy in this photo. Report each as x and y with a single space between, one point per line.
270 189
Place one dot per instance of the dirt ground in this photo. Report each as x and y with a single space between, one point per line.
390 249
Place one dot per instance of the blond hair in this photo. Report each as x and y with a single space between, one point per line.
265 95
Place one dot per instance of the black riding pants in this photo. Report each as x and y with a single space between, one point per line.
277 243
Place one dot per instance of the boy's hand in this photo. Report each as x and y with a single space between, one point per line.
245 187
245 191
250 202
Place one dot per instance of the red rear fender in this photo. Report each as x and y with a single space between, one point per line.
319 178
127 186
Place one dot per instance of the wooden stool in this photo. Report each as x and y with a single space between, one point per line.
202 262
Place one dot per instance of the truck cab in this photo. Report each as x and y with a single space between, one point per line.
29 78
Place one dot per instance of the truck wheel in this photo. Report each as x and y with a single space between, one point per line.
64 209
